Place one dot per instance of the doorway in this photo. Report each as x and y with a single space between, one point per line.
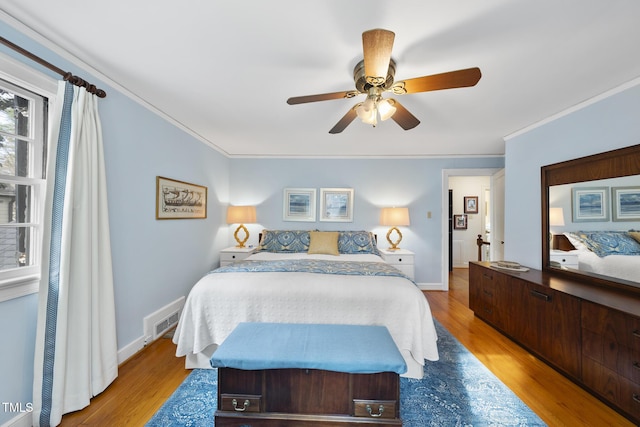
459 243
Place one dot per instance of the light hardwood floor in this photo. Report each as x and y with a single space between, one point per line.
148 379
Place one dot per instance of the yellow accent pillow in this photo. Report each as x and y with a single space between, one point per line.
323 242
635 235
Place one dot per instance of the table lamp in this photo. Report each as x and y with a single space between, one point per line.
241 215
394 217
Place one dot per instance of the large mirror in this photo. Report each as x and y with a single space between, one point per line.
591 218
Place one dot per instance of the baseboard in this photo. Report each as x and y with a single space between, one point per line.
148 325
22 420
430 286
130 349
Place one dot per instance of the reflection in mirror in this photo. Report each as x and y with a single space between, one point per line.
591 218
594 226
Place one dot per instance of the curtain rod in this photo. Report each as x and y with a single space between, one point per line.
66 75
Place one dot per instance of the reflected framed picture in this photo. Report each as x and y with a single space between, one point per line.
471 204
590 204
625 203
336 204
460 222
299 204
179 199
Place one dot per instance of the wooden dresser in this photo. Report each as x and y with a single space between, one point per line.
590 334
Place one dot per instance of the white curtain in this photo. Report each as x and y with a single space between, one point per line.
76 348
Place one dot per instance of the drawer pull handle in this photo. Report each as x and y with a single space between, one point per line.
540 295
488 293
636 398
380 411
488 276
234 402
636 365
636 333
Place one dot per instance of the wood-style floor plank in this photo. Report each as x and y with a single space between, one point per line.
146 380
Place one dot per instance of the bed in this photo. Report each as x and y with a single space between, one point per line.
607 253
297 277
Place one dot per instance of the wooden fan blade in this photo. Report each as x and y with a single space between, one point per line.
322 97
345 121
403 117
452 79
376 48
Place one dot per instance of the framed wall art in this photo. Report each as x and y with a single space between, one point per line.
460 222
590 204
471 204
336 204
299 204
179 199
625 203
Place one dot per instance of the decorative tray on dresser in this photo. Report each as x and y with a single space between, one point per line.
306 375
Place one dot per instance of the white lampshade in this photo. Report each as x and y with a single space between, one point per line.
556 217
241 214
394 216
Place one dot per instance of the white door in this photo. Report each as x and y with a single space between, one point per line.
497 216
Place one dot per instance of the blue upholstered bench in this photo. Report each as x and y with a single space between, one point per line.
308 374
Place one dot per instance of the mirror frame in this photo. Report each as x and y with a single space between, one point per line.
610 164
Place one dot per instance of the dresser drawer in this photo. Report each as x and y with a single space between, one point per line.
618 390
619 358
232 257
374 408
240 402
399 259
617 328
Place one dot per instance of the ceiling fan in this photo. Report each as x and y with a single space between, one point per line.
374 75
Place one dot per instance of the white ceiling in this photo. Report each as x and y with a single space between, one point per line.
223 70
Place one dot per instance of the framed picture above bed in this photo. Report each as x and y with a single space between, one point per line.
590 204
625 203
180 200
299 204
336 204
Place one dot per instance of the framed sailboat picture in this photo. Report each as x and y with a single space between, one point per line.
179 199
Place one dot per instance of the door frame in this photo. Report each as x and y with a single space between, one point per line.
446 173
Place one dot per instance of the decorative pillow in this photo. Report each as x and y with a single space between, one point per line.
324 242
635 235
285 241
576 241
357 242
604 243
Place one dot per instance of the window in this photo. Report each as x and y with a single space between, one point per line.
23 124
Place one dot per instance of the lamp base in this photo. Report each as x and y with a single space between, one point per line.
394 245
241 242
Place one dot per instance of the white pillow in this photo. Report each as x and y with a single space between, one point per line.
576 241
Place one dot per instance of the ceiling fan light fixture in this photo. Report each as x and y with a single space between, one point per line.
367 113
386 109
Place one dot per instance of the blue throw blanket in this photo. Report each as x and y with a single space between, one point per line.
352 268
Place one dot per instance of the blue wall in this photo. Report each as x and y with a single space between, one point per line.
154 262
606 125
415 183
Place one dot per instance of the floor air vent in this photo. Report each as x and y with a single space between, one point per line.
156 324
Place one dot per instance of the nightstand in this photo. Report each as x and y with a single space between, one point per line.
233 254
564 259
402 259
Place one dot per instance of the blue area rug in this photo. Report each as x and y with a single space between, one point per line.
457 390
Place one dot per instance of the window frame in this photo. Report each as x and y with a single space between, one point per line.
21 281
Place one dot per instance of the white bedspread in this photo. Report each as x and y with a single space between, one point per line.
626 267
218 302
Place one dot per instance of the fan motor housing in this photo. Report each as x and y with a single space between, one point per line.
361 82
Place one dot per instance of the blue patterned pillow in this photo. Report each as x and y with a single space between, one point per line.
604 243
285 241
357 242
